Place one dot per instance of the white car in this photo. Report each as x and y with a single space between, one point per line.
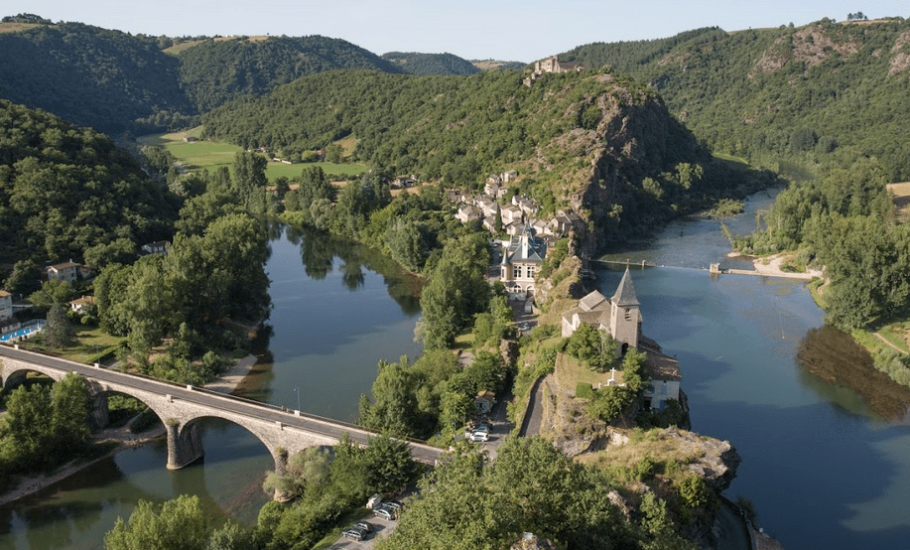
479 436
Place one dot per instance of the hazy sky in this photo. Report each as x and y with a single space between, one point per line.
513 30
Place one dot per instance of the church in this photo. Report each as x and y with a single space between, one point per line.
621 317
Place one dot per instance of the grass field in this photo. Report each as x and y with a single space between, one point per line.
901 196
88 342
211 155
16 27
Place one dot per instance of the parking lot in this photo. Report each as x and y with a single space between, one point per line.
381 528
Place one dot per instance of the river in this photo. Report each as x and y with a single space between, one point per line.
338 309
824 467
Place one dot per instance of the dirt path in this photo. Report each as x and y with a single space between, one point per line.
885 340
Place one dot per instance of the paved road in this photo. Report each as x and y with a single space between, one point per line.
530 426
218 401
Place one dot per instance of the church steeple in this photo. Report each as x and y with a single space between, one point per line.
625 292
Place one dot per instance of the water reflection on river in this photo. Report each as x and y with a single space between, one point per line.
338 309
822 467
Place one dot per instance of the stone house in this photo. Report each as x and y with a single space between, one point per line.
6 305
510 214
467 213
508 176
63 272
621 318
157 247
78 304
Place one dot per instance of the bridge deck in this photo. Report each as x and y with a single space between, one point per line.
217 401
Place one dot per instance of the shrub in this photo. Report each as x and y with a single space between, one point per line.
584 390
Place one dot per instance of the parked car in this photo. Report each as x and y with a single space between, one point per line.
479 436
365 526
395 506
354 534
482 427
384 513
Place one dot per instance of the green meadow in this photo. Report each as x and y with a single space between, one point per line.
210 155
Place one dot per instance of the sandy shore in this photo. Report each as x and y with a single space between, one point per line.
771 266
226 383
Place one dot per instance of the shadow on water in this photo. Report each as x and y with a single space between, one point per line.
809 507
837 360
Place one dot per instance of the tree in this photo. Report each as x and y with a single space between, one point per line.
334 153
249 173
610 403
388 464
595 348
26 433
71 406
53 292
23 278
178 524
58 332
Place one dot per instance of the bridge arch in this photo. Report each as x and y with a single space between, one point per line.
16 375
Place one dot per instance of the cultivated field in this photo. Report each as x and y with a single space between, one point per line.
211 155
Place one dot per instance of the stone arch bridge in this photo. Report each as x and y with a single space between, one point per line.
180 407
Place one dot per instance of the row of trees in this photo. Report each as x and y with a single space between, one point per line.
531 488
844 220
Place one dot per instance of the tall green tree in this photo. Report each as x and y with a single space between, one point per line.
177 524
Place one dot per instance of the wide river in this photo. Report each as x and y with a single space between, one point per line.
824 466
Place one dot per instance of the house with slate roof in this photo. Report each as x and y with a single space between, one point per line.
621 317
520 264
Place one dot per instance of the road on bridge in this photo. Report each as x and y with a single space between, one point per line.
261 411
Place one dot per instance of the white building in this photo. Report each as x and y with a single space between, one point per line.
520 264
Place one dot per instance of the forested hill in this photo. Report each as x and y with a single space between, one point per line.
89 76
68 193
114 81
598 137
216 71
824 92
425 64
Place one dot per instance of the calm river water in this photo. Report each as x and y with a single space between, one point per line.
823 469
338 309
823 466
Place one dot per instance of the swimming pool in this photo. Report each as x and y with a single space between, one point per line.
26 331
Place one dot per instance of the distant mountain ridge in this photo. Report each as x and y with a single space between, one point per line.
216 71
426 64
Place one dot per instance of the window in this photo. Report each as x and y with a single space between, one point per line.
628 314
516 271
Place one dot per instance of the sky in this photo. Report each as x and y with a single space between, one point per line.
508 30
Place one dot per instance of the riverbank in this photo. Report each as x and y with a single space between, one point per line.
123 437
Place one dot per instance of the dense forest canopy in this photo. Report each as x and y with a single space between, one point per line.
425 64
90 76
800 94
216 71
70 193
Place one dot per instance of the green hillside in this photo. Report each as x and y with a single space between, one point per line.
70 193
425 64
90 76
216 71
810 95
596 138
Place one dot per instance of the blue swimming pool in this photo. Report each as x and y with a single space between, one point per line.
27 330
